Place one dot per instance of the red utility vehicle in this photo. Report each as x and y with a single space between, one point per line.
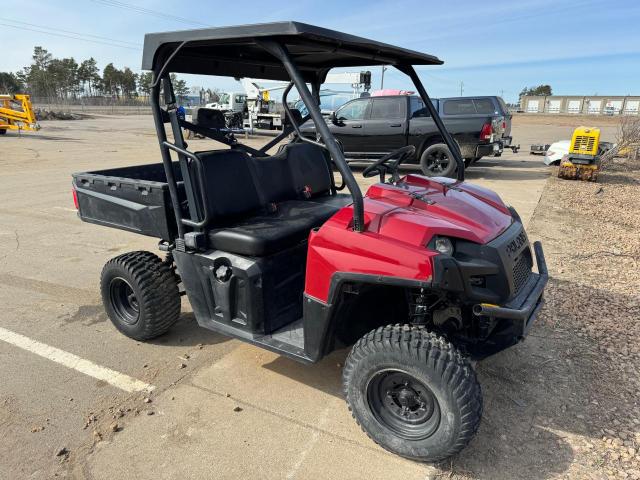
419 276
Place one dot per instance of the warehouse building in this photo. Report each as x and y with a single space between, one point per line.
589 105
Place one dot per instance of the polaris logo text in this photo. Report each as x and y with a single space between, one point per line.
516 244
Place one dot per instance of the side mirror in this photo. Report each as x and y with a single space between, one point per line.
334 118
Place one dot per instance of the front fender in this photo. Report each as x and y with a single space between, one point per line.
336 254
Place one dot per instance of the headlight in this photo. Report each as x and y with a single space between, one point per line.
443 245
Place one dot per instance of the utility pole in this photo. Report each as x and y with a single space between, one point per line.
502 93
461 87
384 67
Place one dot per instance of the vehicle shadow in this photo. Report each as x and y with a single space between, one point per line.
503 170
512 174
617 179
617 172
40 137
545 400
186 332
533 162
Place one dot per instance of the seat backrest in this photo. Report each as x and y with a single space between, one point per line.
238 185
230 183
274 178
209 117
309 168
297 116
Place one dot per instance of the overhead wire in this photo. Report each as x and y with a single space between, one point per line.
147 11
20 22
71 35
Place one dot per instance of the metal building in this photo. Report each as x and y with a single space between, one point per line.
586 105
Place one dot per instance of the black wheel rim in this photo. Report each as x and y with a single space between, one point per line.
124 301
403 404
438 162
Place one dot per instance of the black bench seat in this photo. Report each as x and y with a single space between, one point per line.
261 206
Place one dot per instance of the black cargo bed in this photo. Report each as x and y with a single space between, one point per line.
135 199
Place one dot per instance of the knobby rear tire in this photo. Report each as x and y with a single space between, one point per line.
140 294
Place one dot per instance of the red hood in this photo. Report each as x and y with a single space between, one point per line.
419 207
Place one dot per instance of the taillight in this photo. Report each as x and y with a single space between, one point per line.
75 199
504 125
486 132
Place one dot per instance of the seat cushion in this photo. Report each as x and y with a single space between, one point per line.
336 201
268 233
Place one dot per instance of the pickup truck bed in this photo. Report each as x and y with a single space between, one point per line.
134 198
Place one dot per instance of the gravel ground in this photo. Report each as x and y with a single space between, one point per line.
591 236
567 397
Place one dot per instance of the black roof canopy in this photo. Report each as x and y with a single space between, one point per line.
235 51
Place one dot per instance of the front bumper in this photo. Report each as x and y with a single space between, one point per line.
523 309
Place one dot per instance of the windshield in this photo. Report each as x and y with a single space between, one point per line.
223 98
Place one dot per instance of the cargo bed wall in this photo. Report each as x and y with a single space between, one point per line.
135 199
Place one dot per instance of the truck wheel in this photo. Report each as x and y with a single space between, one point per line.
3 131
412 392
140 294
437 161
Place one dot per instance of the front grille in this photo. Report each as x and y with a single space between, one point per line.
505 266
584 143
521 271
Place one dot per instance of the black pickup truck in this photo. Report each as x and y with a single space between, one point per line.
371 127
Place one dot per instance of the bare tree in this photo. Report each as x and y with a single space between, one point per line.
627 142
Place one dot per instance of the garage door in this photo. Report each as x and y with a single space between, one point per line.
573 106
614 107
632 107
594 107
533 106
554 106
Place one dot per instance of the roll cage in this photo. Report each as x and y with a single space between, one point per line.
299 53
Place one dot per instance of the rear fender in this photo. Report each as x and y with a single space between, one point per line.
427 142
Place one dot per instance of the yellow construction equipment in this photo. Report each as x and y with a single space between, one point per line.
583 161
16 113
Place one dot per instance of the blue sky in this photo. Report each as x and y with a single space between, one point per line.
577 46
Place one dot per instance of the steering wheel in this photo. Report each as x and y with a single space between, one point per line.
383 165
